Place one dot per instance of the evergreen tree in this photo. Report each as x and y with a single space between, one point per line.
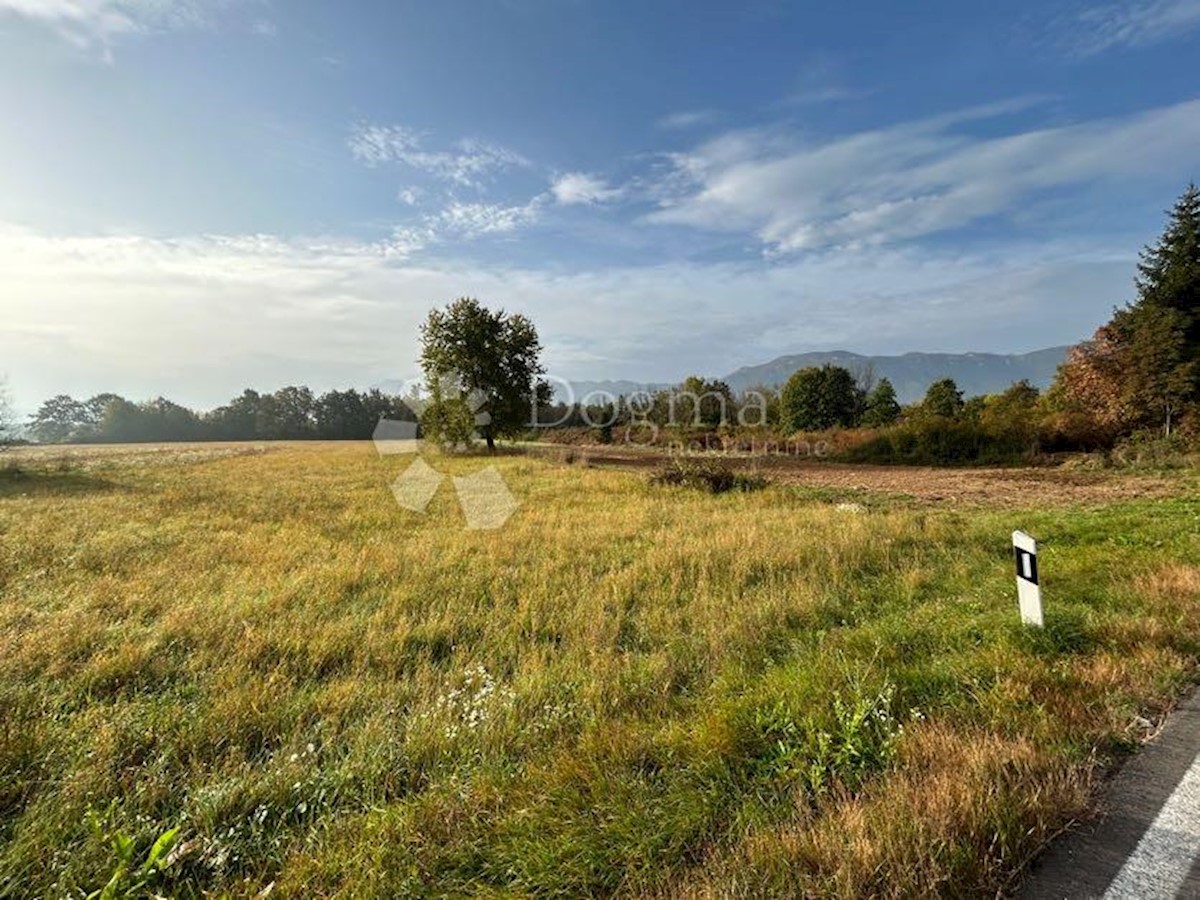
1143 367
1169 271
1161 330
882 407
943 399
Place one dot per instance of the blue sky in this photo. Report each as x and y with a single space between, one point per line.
201 195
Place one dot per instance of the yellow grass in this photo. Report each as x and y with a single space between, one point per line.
627 689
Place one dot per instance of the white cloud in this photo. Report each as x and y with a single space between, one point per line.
581 188
474 219
1132 24
461 220
199 318
909 180
468 164
89 23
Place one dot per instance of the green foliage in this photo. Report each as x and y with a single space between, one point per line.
943 399
1142 369
701 403
130 879
818 398
291 413
882 407
936 440
449 419
855 739
492 355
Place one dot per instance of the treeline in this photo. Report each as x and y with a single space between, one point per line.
290 413
1137 380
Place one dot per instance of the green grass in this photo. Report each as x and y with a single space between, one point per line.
629 689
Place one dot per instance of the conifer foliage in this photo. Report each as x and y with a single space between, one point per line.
1142 369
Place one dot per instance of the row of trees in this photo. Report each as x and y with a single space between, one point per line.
484 375
1139 371
291 413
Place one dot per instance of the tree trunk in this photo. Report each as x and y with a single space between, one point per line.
491 442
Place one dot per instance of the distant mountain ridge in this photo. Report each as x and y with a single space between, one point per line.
910 373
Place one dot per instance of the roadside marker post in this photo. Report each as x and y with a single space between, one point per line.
1029 593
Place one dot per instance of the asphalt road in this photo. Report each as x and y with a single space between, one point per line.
1147 842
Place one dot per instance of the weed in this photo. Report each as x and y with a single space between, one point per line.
707 475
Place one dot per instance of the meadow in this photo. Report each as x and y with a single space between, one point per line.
252 656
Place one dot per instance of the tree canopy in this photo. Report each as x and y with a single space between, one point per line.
486 361
291 413
882 408
943 399
817 398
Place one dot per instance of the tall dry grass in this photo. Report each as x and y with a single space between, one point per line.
628 689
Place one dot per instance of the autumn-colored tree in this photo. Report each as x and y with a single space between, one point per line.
1143 367
1089 381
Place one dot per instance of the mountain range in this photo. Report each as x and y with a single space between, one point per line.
910 373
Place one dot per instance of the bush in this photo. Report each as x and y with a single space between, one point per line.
941 441
1074 430
707 475
1149 449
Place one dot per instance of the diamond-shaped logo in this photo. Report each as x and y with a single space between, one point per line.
416 485
484 497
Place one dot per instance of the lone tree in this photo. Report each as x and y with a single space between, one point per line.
882 408
1143 367
814 399
483 371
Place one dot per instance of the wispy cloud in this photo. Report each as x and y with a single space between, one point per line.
469 163
1138 23
580 188
689 118
910 180
466 221
99 23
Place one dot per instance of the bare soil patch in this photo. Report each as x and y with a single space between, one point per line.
1020 486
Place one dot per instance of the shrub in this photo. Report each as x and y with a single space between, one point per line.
714 477
1148 448
939 441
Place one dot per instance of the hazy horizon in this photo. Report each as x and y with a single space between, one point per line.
206 195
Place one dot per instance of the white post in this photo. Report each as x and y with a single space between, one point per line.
1029 594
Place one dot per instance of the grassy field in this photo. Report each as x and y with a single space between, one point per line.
629 689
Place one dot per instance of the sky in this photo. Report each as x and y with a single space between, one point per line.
204 195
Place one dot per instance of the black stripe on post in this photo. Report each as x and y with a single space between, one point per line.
1026 565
